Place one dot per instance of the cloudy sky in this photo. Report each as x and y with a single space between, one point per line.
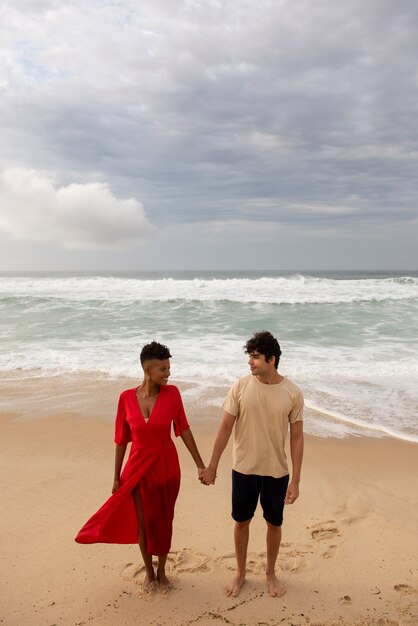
217 134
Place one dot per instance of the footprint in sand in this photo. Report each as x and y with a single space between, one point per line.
255 562
405 589
187 560
354 512
133 572
330 552
294 557
291 559
407 600
345 599
324 531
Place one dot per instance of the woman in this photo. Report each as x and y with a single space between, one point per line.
141 509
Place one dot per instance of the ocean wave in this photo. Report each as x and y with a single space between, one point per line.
357 426
357 361
292 289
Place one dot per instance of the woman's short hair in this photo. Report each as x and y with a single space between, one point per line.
264 343
154 350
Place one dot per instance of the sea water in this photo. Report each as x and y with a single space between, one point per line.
349 339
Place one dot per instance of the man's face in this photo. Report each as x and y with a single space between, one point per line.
258 364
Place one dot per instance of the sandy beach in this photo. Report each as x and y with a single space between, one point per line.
349 543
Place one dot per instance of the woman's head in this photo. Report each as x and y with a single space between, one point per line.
155 362
154 350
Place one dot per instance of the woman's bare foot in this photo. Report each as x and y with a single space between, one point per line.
274 586
164 582
234 587
149 581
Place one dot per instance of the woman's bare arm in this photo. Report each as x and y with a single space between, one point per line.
190 444
119 456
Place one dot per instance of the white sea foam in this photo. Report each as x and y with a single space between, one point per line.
351 425
295 289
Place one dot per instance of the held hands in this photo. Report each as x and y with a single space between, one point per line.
207 475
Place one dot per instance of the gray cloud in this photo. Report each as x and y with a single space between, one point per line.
294 113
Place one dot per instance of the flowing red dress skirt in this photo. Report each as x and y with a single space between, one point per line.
153 465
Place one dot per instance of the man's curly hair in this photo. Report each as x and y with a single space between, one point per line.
264 343
154 350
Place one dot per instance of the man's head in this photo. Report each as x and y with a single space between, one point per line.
263 343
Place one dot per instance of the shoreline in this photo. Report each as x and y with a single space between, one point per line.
347 555
34 396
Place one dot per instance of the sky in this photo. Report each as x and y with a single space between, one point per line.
224 134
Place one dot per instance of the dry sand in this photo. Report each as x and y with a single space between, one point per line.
349 543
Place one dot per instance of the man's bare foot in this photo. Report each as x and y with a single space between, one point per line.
164 582
274 586
234 587
149 581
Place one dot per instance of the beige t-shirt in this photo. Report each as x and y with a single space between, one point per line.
263 413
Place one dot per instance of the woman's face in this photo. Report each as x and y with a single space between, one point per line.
158 371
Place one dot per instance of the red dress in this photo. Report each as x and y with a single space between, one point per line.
153 464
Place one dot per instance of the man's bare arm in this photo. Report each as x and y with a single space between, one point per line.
222 438
296 452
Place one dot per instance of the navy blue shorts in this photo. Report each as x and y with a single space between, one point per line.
246 488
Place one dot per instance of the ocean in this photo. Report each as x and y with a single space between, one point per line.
348 339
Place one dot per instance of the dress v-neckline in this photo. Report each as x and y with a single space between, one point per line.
152 410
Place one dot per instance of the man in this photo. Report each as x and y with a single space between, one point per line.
260 405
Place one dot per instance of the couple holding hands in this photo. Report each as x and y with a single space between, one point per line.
259 409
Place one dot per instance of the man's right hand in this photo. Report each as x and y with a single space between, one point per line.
116 485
